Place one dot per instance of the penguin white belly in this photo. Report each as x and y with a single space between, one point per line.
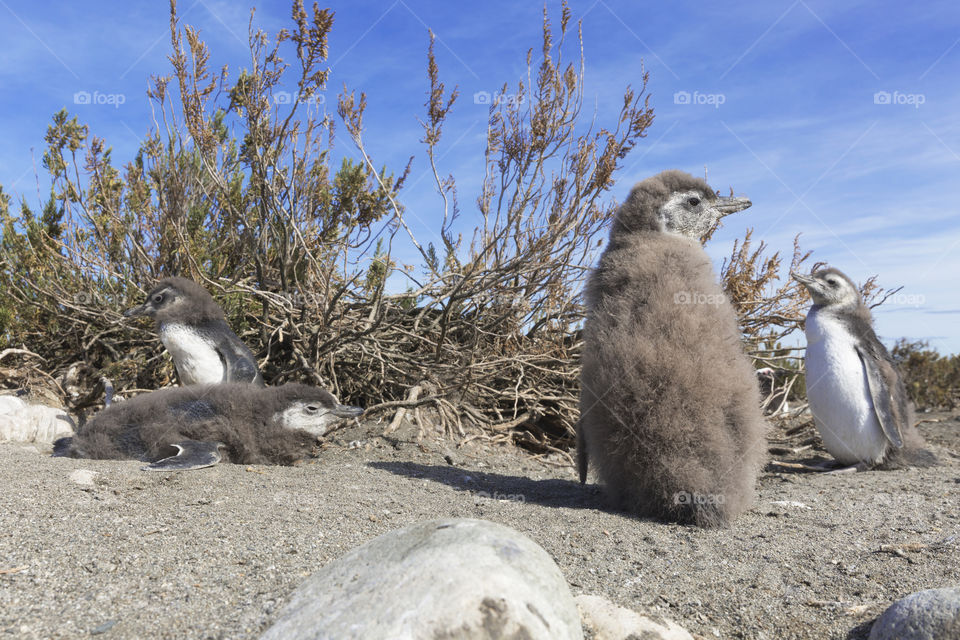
196 359
839 395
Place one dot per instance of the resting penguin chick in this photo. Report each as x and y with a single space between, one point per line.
858 400
669 408
252 425
193 329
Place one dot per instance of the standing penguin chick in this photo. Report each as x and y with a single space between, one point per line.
194 330
857 397
669 407
181 428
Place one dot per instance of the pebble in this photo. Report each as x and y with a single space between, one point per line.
106 626
83 477
607 621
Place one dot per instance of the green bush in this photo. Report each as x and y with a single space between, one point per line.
933 380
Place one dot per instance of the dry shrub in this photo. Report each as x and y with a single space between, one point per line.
233 187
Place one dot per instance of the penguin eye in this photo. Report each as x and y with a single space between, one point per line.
158 298
312 408
693 201
833 282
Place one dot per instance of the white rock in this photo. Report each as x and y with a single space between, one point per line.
933 614
22 422
607 621
83 476
10 404
453 578
790 503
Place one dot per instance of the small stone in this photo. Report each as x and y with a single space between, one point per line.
83 477
933 614
607 621
790 503
106 626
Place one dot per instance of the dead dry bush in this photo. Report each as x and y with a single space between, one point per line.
234 188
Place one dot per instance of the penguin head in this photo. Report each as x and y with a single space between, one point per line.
693 213
310 409
178 300
830 287
674 202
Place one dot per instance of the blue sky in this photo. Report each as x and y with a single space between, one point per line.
839 120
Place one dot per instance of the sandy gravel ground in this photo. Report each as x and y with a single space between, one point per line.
215 553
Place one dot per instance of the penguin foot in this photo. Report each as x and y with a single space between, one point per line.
192 454
851 469
817 467
827 466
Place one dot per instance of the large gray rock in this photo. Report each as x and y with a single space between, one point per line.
933 614
23 422
453 578
607 621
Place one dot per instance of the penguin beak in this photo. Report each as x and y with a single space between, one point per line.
811 283
140 310
346 411
728 205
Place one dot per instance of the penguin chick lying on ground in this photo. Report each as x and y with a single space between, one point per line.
181 428
857 397
194 330
669 409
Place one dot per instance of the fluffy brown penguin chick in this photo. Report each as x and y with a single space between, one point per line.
669 409
181 428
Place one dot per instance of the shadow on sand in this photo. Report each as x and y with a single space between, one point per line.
549 493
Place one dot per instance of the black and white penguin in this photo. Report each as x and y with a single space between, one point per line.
857 397
670 408
774 398
180 428
194 330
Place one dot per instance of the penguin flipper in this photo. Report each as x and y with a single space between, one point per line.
239 365
883 381
192 454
